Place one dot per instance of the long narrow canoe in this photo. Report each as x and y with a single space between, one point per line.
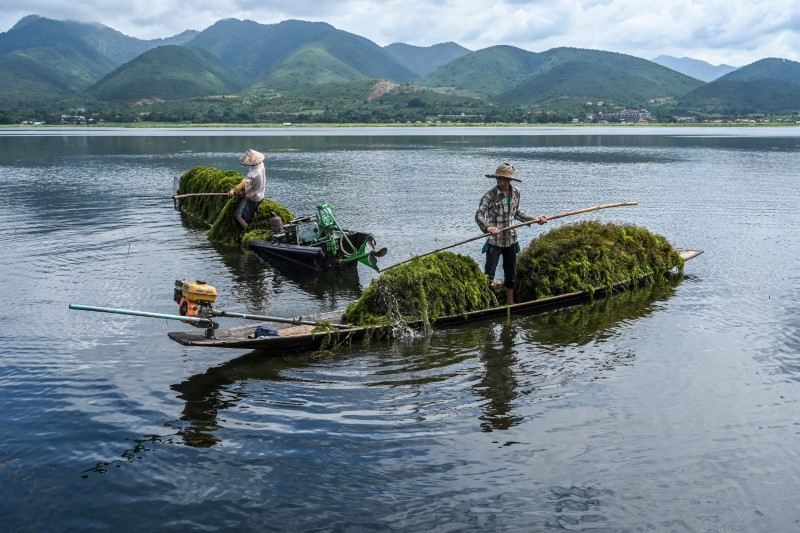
301 337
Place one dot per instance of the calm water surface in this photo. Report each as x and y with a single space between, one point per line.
673 408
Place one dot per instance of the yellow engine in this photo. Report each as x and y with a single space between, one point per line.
194 298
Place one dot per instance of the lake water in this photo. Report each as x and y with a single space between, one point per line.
674 408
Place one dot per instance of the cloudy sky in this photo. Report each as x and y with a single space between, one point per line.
735 32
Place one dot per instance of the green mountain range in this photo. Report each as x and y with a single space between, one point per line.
485 72
295 53
694 68
767 86
283 69
335 56
168 72
767 69
45 59
423 59
577 75
581 82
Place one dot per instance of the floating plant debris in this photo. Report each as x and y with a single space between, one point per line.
424 289
588 255
218 211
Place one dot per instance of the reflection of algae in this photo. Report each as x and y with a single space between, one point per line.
218 211
587 255
424 289
583 324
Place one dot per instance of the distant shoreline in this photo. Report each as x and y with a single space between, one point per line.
267 125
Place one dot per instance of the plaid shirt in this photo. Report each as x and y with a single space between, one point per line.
495 210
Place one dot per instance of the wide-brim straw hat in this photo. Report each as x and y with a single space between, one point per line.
506 170
251 157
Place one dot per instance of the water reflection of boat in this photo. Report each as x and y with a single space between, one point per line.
295 338
331 284
204 394
501 347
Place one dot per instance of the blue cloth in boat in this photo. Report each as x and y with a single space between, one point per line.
266 331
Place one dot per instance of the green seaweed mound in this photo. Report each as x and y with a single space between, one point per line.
218 211
589 255
424 289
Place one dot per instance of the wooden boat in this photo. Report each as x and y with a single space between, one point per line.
318 244
283 251
302 337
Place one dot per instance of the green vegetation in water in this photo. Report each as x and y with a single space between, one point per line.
323 326
424 289
218 211
589 255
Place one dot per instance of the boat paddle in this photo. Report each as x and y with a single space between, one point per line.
549 218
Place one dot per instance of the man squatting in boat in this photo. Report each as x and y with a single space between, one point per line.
251 188
498 208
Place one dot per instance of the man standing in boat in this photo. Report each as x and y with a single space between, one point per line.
498 209
251 188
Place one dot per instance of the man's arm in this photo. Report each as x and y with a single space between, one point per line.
238 190
480 214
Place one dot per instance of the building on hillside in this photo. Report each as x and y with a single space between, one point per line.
73 119
627 115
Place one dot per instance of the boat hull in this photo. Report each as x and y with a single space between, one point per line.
316 257
293 338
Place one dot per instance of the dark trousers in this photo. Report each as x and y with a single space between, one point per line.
509 254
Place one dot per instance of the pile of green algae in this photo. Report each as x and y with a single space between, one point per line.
424 289
217 212
584 256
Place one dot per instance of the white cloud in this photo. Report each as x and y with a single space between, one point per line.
734 31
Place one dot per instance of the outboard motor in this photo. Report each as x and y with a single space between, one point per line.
195 299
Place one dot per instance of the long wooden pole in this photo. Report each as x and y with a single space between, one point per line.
179 196
567 214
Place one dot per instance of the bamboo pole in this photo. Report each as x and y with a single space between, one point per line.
179 196
567 214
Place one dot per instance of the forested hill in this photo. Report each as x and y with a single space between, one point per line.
423 59
252 70
767 86
695 68
168 72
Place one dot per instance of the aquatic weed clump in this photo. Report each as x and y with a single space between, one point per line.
227 231
424 289
218 211
206 209
589 255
